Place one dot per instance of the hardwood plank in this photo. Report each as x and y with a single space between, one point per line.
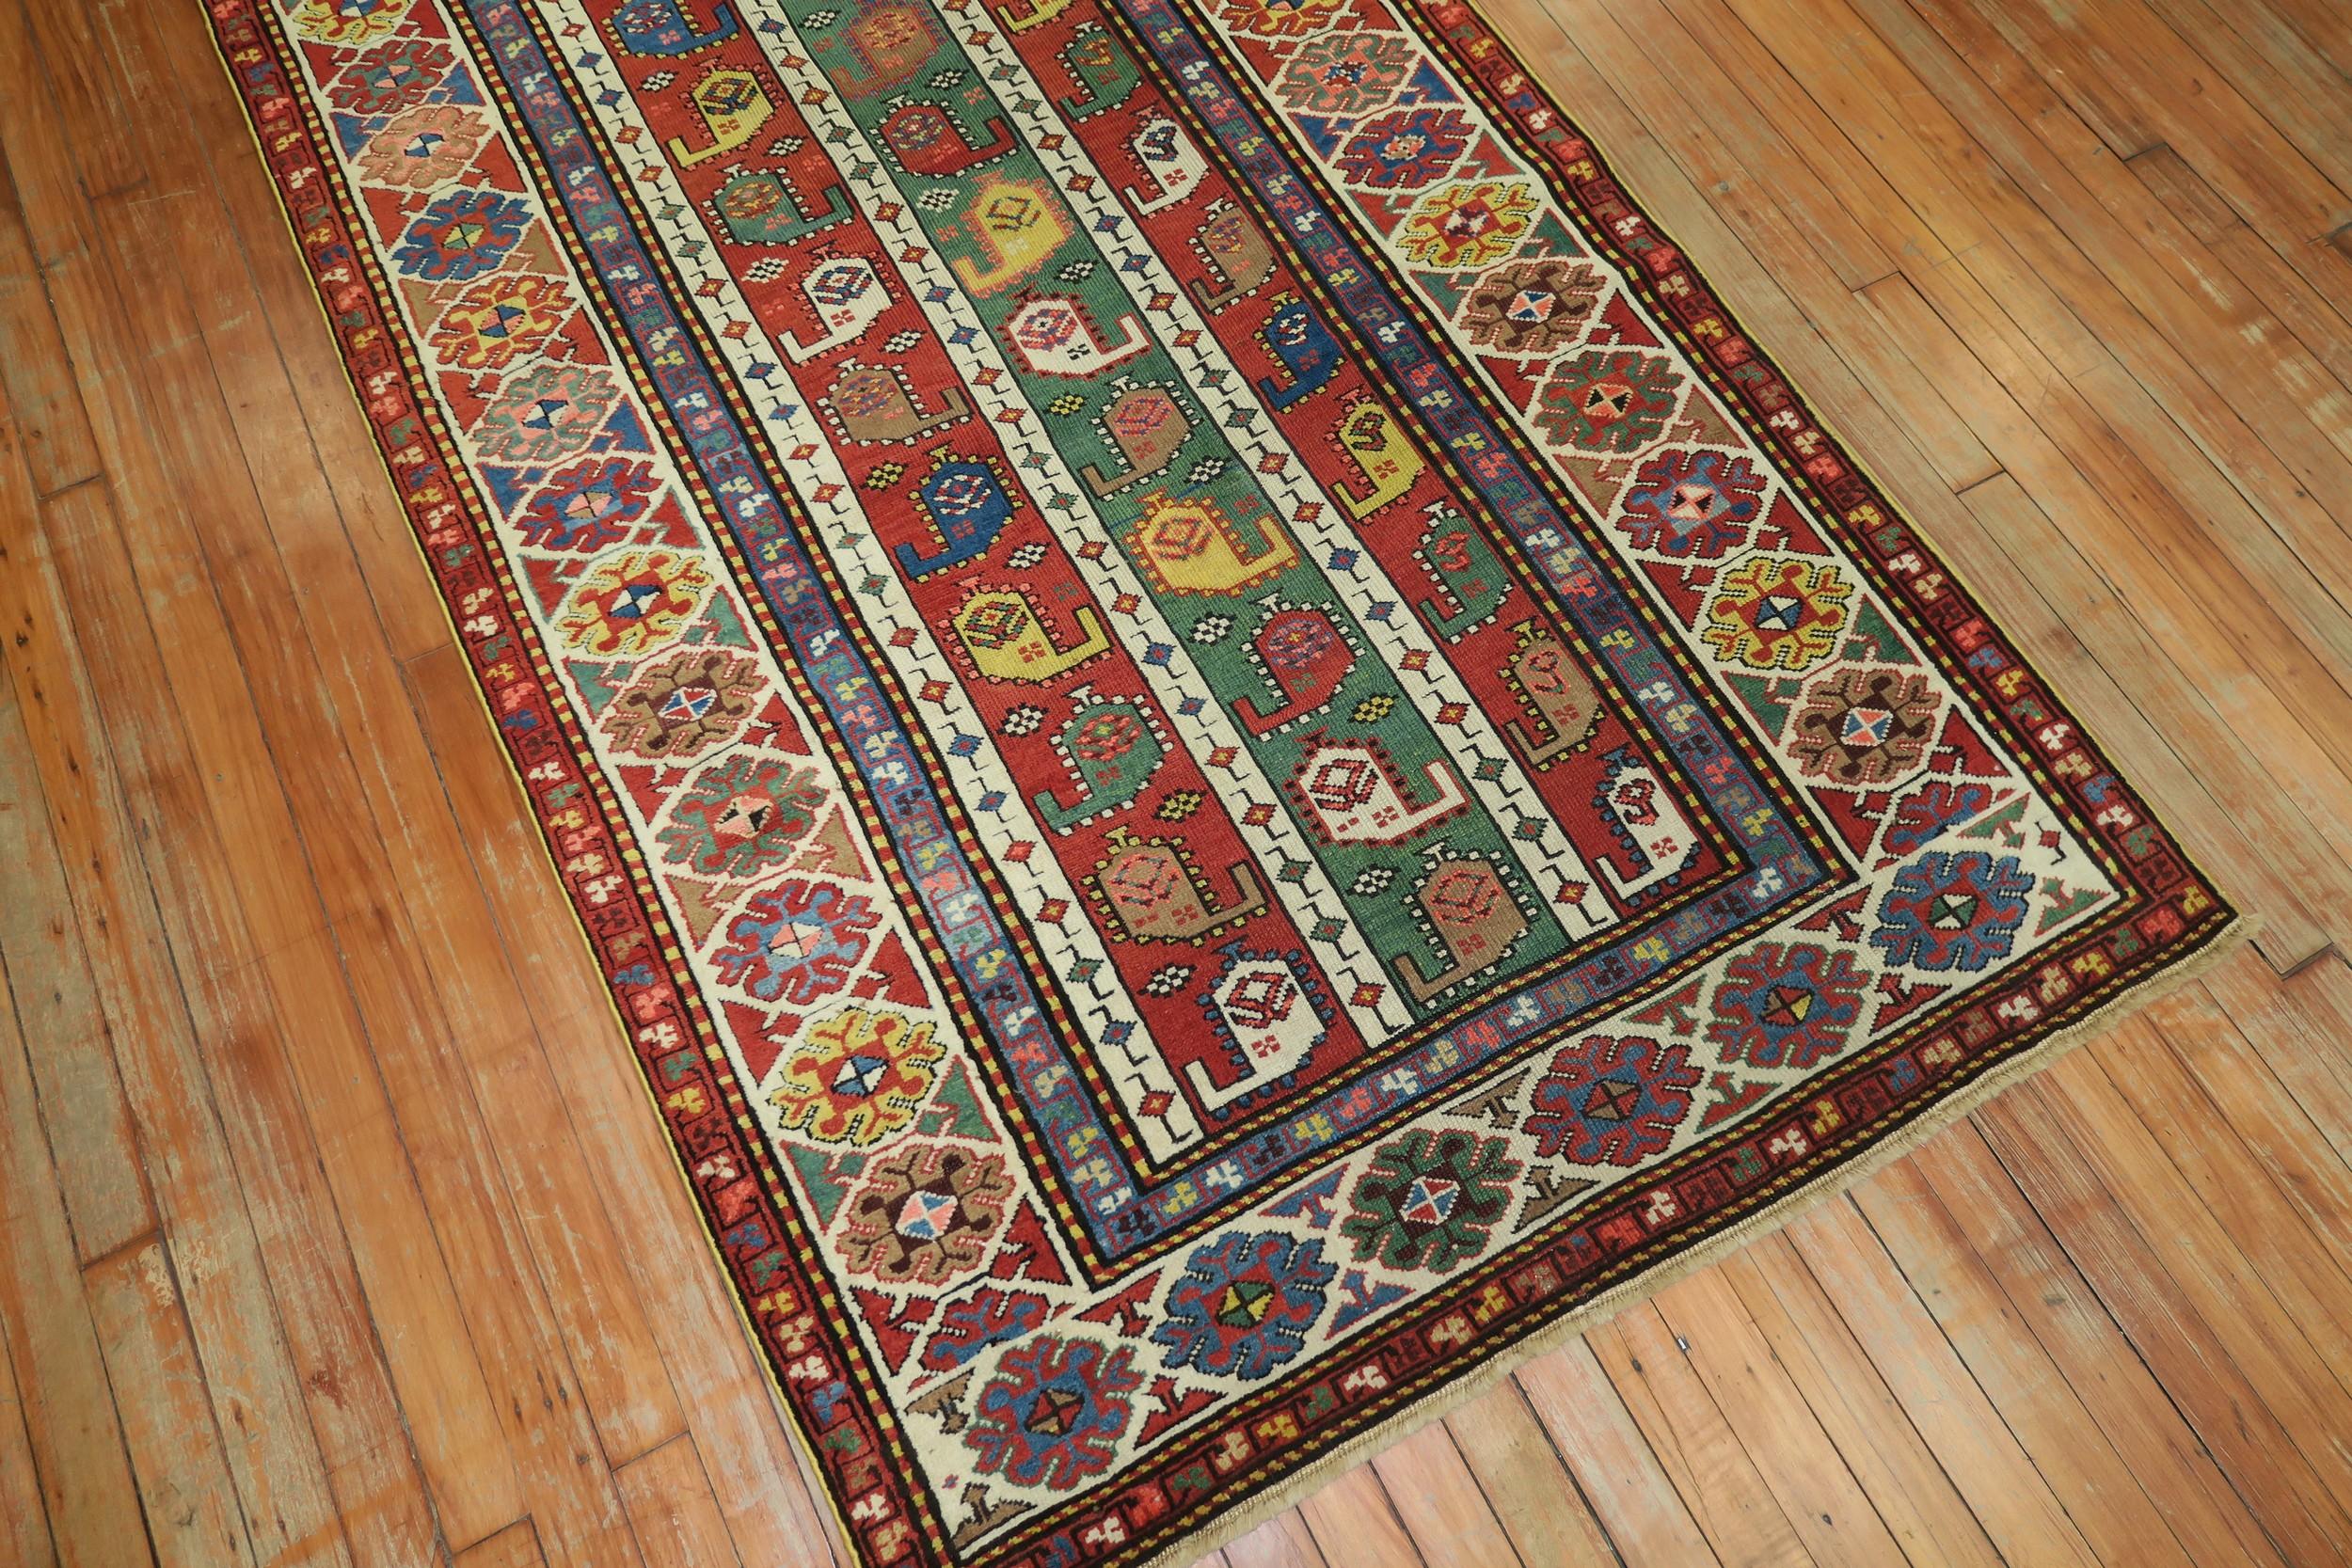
1540 1506
1913 176
1846 1264
2317 323
335 1351
1750 175
2290 1028
2137 375
2241 497
99 1168
2174 98
515 1547
1873 1436
2241 671
2319 25
403 598
1437 1500
1739 159
168 1422
2117 1336
276 1463
276 1466
607 1340
2029 126
576 1506
2256 1283
1354 1523
2090 299
2076 1453
2285 82
2264 1397
2107 244
84 84
2053 435
44 188
1709 1468
1614 1464
336 1356
671 1511
205 917
1281 1541
2172 181
1871 349
2323 995
2205 1135
42 967
1763 1408
24 1517
2190 764
70 1428
1743 238
35 378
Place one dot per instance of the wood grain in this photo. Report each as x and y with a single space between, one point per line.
338 1229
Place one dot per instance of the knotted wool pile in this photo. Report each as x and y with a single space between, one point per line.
1230 749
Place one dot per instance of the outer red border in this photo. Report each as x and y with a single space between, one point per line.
1267 1438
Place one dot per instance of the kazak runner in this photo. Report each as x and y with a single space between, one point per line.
1231 753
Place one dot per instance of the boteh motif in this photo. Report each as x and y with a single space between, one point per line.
1224 741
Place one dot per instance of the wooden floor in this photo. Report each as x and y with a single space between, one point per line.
338 1231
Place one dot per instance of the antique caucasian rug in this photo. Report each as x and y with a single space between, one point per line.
1229 748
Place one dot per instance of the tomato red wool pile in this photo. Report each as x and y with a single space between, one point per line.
1226 744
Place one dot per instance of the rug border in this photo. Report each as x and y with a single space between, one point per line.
809 1467
1479 1379
1474 1382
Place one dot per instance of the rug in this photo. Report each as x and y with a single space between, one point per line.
1231 751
